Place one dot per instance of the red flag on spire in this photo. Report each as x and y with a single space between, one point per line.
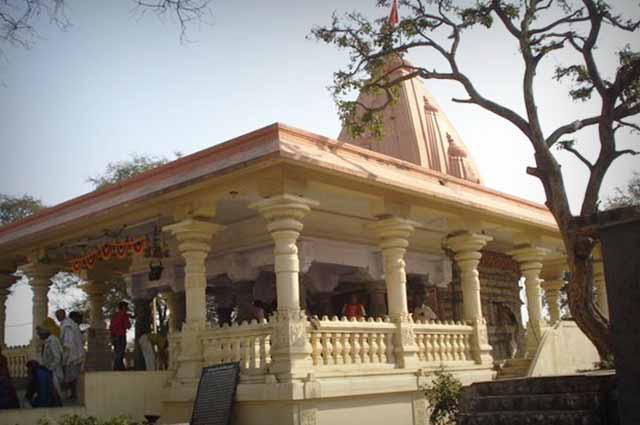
393 16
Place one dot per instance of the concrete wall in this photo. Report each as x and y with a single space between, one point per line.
134 393
563 350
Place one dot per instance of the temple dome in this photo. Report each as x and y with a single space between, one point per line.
417 130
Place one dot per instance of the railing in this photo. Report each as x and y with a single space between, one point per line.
248 343
445 342
17 358
341 343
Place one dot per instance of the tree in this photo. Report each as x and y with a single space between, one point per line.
626 197
120 171
14 208
19 17
540 29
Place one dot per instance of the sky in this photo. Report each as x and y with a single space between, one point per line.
116 83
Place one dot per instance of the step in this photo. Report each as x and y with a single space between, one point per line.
542 385
517 363
580 417
541 402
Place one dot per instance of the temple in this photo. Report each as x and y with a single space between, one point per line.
302 223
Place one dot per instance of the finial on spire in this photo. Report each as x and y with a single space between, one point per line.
393 16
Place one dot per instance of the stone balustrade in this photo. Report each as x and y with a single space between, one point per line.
342 343
444 342
17 358
247 343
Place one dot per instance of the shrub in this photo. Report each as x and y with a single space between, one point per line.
87 420
443 394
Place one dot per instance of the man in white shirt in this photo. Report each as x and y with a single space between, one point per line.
71 339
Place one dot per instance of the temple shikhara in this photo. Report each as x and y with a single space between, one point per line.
307 225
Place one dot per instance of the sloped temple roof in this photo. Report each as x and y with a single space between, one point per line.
416 130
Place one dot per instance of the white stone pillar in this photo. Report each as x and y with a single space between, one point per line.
393 239
599 282
530 260
466 247
194 242
40 280
284 214
6 280
553 274
99 352
290 349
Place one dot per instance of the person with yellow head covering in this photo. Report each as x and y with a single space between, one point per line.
51 326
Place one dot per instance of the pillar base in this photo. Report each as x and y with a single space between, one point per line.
99 355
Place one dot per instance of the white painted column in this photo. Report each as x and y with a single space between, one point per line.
553 274
530 260
194 242
99 356
40 280
599 282
466 247
393 239
6 280
290 350
284 214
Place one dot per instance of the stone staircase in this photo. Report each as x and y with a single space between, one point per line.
555 400
514 368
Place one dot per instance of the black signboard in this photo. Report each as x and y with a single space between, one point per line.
216 392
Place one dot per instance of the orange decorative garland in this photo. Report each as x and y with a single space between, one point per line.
107 251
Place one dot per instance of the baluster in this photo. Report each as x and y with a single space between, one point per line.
262 352
373 348
355 348
443 347
365 348
467 347
327 349
391 355
460 344
316 349
237 354
337 348
428 347
382 348
346 348
420 344
437 354
267 349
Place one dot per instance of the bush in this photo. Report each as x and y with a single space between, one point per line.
443 394
87 420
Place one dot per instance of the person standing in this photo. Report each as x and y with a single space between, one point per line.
149 354
71 339
52 356
118 327
8 394
353 309
41 390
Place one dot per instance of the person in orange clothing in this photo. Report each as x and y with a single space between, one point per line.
353 309
119 325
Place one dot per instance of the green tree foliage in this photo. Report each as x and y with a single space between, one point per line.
443 396
540 29
628 196
120 171
14 208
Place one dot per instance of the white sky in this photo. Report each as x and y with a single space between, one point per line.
114 84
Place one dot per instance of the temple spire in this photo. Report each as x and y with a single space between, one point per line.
393 15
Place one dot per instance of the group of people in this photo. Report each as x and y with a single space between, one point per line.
55 376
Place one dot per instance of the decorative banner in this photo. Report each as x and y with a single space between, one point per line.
107 251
